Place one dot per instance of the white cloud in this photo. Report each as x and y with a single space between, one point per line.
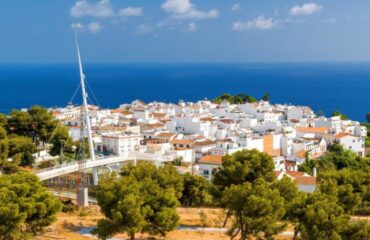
131 12
192 27
181 9
95 27
102 8
260 22
77 26
305 9
236 7
143 29
82 8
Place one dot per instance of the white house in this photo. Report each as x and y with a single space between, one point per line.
120 143
208 164
351 142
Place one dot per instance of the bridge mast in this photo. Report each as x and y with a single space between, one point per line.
85 107
82 190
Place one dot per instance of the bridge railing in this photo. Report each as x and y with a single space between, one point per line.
64 165
70 167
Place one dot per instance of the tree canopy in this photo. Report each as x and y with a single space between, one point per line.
245 186
235 99
341 115
143 199
26 208
23 133
266 97
242 166
196 192
256 208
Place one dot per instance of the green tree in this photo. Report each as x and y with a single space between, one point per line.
246 98
19 123
143 199
6 166
341 115
3 120
320 113
242 166
62 144
266 97
3 133
43 124
24 147
322 218
196 191
350 187
356 231
235 99
26 207
177 161
256 210
368 118
336 158
37 123
292 196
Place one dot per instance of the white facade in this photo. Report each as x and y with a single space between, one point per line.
120 144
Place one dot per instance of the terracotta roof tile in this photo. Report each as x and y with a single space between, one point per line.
211 159
312 129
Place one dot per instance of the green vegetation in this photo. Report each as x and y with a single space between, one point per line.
196 192
26 208
243 166
256 208
62 144
23 133
244 188
266 97
345 176
321 218
259 206
341 115
68 206
143 199
367 139
235 99
178 162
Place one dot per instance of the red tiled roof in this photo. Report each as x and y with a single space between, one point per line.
211 159
305 180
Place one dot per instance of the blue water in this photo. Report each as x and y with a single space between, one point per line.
328 87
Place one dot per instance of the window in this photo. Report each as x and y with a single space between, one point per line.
205 172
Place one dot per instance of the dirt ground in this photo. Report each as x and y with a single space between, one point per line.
67 224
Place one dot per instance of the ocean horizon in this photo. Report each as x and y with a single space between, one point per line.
326 87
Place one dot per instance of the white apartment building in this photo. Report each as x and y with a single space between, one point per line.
119 143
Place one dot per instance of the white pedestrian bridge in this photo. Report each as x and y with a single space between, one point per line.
71 167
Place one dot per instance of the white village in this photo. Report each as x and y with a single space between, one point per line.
200 133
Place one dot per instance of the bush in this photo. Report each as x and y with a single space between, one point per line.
47 164
68 206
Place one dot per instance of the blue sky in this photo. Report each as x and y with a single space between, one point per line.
42 31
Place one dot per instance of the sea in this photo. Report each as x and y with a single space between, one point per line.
326 87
